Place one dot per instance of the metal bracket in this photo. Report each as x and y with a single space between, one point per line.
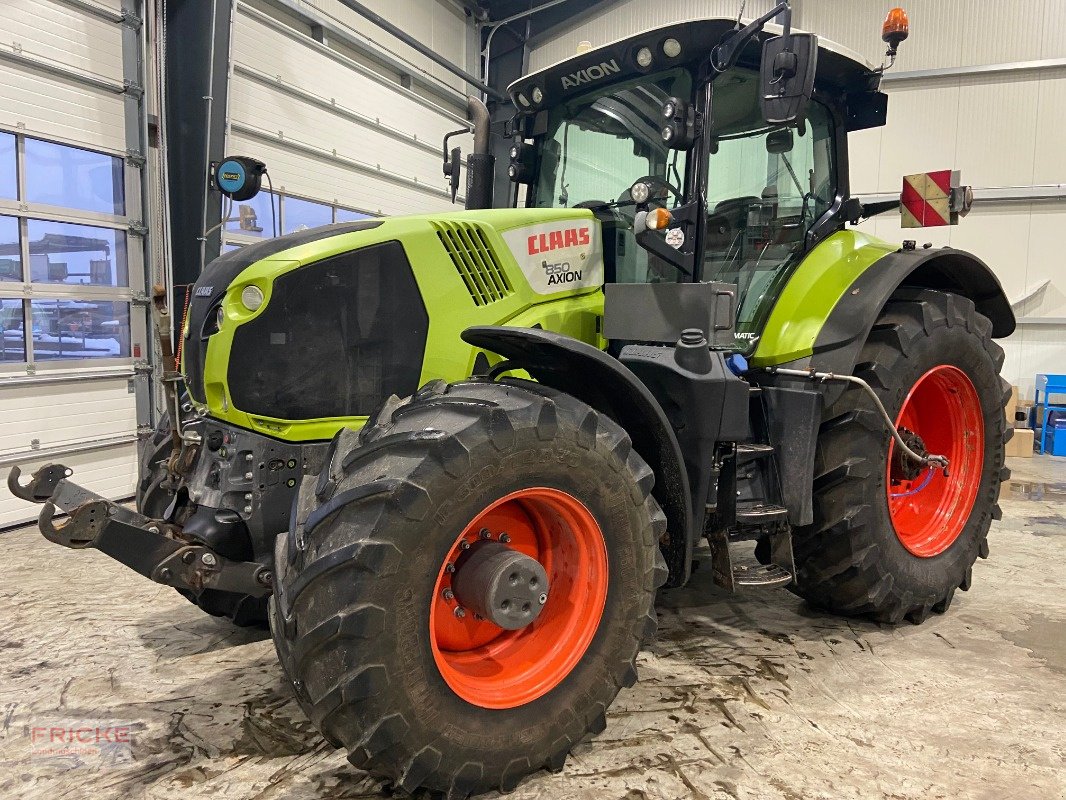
130 20
139 298
133 89
135 158
137 228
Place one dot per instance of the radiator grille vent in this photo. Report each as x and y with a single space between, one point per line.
475 261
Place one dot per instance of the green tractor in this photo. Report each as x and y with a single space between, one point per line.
454 457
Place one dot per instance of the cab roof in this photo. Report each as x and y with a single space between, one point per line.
838 66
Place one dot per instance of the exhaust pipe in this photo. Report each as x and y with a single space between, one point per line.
480 164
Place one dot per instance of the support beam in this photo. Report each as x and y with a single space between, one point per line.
197 87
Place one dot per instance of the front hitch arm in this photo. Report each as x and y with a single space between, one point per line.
150 547
41 485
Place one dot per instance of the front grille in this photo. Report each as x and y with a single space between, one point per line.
337 338
474 260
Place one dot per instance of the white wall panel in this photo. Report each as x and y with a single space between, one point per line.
324 179
39 103
111 472
52 106
439 25
61 34
383 142
996 149
58 414
633 16
1049 156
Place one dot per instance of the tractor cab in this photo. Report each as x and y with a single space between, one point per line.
677 118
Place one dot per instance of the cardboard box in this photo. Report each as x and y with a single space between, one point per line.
1021 444
1012 405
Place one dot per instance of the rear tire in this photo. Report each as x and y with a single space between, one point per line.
355 617
860 557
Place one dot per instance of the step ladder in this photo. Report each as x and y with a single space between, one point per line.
754 522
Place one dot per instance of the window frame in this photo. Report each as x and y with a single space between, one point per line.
133 294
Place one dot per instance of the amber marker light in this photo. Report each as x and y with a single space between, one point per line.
658 219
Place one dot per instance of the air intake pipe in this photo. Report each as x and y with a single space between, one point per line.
480 164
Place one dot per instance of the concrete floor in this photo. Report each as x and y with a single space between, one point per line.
742 697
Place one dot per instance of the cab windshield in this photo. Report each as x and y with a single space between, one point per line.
601 143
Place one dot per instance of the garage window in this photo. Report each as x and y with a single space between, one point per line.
250 220
12 321
8 166
76 255
10 251
59 175
65 291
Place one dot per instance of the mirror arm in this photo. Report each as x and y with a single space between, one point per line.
725 54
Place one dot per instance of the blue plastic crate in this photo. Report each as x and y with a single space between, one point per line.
1056 437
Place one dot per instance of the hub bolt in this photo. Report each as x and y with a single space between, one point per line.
209 559
265 577
464 545
450 568
543 598
460 612
484 533
154 529
188 557
505 538
448 594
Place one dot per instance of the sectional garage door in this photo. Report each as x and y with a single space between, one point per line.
343 135
72 274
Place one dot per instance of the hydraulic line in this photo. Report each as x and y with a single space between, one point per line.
930 460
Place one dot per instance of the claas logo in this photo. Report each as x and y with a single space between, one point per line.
553 240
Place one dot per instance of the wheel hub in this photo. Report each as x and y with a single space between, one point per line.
500 584
903 466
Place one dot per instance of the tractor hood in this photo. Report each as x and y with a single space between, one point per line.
326 323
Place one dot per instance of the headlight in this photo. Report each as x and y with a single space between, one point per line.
523 100
220 315
671 48
538 95
252 297
644 57
640 192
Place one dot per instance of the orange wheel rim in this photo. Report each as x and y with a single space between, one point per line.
929 511
496 668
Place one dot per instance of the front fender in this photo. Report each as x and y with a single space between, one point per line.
603 382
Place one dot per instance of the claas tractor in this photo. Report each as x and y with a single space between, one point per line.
454 457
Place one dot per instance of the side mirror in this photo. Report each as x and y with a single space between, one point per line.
787 77
453 165
679 124
779 141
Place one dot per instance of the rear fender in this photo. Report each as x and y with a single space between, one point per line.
603 382
946 269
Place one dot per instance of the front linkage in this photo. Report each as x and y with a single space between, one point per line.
153 548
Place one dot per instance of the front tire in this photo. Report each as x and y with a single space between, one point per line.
379 657
887 543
